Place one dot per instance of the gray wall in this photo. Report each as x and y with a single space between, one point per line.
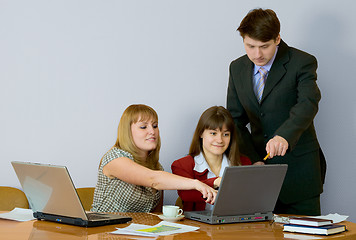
70 68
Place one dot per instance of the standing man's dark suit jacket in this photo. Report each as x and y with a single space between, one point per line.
288 106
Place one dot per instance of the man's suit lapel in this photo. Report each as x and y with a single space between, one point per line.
246 75
277 70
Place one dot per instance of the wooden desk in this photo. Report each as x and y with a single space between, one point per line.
11 230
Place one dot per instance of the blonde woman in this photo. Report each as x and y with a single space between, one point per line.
130 177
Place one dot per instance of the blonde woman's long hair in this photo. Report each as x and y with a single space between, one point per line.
133 114
215 118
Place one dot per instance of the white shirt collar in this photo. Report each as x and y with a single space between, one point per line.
201 165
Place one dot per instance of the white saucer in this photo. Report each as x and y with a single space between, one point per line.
172 219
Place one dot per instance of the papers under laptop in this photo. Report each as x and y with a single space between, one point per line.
52 196
246 194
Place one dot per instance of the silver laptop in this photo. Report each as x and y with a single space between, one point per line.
52 196
246 194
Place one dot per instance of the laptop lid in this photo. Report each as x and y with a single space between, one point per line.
52 195
249 189
246 193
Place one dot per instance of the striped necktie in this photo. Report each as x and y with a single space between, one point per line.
260 84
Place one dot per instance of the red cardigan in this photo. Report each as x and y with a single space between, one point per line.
192 199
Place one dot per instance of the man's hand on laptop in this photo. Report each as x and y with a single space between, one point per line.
259 163
277 146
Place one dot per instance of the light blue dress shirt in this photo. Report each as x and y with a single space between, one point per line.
256 73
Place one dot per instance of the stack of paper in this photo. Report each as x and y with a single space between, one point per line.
335 217
314 225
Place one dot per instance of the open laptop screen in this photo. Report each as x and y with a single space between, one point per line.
49 189
249 189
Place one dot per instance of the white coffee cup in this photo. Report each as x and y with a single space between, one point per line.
171 211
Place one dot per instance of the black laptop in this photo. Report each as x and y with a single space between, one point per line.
246 194
52 196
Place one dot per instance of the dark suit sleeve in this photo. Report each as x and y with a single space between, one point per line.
241 120
301 115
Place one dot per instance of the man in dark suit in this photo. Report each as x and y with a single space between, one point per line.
279 102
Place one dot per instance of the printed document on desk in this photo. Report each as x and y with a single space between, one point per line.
335 217
161 229
18 214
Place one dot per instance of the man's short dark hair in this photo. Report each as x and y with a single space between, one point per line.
260 24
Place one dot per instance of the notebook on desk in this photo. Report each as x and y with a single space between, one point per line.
246 194
53 197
